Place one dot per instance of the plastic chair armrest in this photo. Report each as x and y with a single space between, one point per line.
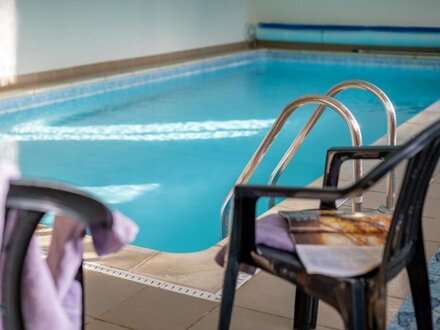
337 155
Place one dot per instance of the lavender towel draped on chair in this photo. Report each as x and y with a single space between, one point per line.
270 230
51 295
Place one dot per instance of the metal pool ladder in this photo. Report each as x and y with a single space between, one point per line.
323 101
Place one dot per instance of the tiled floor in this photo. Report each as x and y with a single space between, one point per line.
264 302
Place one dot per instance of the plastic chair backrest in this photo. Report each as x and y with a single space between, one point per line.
28 201
422 153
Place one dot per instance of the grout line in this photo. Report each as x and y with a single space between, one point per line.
112 323
265 313
327 327
397 297
431 241
202 317
429 216
143 262
110 308
90 317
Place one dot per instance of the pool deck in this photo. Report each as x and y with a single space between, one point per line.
262 302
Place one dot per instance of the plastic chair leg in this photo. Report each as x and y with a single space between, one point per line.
419 282
80 278
354 308
306 311
228 293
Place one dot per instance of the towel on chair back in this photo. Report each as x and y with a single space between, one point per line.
52 297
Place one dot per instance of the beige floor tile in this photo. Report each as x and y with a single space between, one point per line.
196 270
431 208
373 199
104 292
425 117
317 183
88 319
244 319
393 306
437 173
101 325
430 248
299 204
267 293
126 259
405 132
434 190
278 298
383 141
329 317
283 205
398 287
431 229
153 308
434 107
347 174
223 242
382 185
408 130
293 204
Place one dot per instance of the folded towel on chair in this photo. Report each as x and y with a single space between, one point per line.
271 230
66 250
51 296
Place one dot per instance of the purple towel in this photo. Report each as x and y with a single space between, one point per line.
66 250
51 295
271 230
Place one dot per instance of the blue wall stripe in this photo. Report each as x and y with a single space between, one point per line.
285 26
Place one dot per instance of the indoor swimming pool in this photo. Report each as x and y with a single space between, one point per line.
166 146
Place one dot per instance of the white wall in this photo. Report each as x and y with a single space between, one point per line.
349 12
55 34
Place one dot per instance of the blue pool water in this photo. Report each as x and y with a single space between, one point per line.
167 152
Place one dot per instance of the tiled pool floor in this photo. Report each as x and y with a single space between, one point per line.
264 302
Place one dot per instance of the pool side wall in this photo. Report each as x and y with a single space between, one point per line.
39 96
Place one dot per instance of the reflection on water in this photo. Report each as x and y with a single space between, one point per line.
38 130
117 194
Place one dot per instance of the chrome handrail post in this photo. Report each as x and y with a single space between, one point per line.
255 160
391 133
279 169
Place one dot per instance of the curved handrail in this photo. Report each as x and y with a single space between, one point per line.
323 100
391 127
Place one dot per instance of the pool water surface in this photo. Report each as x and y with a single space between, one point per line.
167 152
